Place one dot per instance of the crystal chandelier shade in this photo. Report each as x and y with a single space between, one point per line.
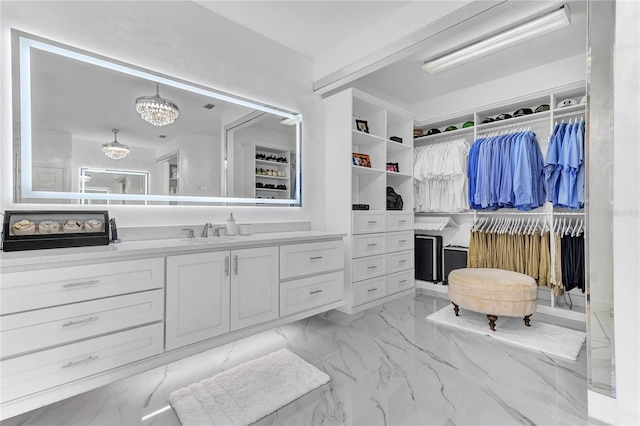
156 110
115 150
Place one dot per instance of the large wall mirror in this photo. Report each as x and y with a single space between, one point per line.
75 111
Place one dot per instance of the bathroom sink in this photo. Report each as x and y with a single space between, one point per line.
210 240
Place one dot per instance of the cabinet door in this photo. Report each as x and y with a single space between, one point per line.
197 298
254 286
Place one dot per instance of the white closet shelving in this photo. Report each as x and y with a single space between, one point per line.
272 172
542 124
379 245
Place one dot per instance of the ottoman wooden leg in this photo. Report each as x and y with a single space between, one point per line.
456 309
527 320
492 321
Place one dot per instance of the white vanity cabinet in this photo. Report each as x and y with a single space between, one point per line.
254 286
198 288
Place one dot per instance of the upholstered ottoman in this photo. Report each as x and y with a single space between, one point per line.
493 292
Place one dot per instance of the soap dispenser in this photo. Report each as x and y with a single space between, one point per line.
231 225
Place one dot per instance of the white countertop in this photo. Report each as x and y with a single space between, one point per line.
151 248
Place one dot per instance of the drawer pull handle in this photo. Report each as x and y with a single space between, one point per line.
402 221
402 281
315 292
84 361
81 284
402 241
372 221
226 266
372 289
372 245
82 321
372 267
315 258
235 265
402 261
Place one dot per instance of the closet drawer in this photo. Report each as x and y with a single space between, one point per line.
399 241
399 281
35 330
399 221
367 221
399 261
367 245
369 290
42 370
307 293
23 291
311 258
367 267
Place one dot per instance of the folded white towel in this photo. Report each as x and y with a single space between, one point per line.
248 392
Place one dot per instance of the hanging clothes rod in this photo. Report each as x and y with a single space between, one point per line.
518 124
521 213
447 139
569 214
569 114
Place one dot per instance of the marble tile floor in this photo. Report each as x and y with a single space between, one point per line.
388 366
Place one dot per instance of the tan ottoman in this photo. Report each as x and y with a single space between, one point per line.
493 292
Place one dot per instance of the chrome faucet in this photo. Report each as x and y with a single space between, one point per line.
216 230
205 230
191 234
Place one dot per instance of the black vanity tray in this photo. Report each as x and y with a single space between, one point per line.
44 229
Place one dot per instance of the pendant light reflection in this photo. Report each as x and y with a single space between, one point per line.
157 110
115 150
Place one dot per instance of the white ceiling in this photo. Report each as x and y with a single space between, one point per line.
313 28
309 27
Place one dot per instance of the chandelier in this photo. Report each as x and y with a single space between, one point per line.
156 110
115 149
85 178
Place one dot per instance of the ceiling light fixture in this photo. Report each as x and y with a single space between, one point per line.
156 110
85 178
288 121
115 149
516 35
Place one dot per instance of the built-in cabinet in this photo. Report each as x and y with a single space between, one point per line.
273 172
369 148
69 329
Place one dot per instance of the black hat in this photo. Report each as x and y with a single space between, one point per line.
450 128
522 111
433 132
468 124
503 117
488 120
541 108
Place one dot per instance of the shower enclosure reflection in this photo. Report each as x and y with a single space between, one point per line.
111 181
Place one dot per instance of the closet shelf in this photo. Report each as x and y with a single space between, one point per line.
398 174
443 135
395 146
359 170
272 177
362 138
538 116
572 108
271 162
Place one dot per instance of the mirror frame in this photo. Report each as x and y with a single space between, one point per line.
26 42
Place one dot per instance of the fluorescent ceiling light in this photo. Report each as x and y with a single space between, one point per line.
516 35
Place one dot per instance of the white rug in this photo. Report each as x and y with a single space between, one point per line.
550 339
247 392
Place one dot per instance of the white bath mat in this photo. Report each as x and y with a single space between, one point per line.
248 392
550 339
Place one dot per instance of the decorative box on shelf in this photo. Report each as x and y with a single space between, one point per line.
38 229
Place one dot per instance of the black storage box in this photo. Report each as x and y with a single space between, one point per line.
43 229
428 258
453 257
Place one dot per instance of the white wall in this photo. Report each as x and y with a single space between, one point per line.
542 78
200 47
626 211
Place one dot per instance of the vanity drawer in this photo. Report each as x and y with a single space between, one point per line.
307 293
367 221
365 291
367 267
399 281
28 374
396 241
23 291
399 261
399 221
42 328
311 258
367 245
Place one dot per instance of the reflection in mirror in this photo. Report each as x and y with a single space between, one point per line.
261 151
108 181
74 106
